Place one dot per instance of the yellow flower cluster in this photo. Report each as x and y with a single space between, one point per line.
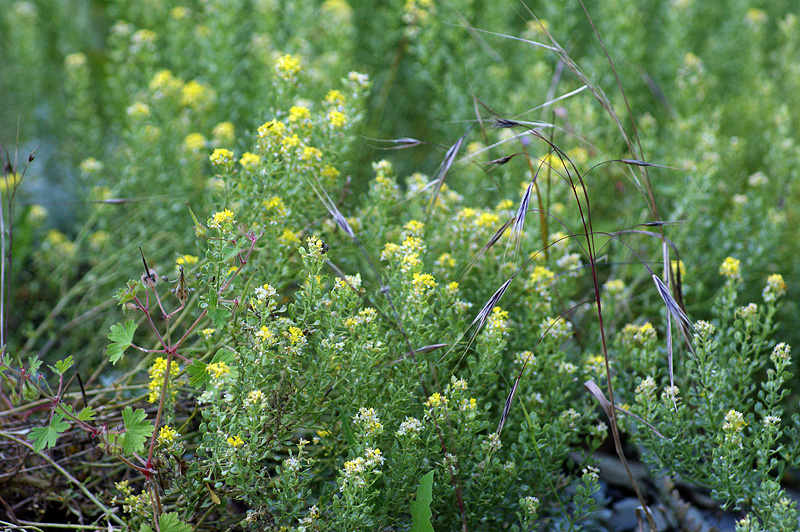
265 336
365 316
639 334
167 435
309 153
196 95
299 113
337 119
275 207
218 370
775 288
731 268
335 97
288 67
220 219
289 238
222 157
497 321
156 373
539 280
164 83
194 142
734 422
223 133
250 161
273 128
436 400
422 284
138 110
235 441
368 421
295 336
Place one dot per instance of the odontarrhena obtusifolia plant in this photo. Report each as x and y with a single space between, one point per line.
722 426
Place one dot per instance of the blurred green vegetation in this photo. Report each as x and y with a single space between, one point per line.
709 85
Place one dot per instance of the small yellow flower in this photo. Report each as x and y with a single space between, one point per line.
678 266
187 260
487 219
55 237
254 397
730 268
615 287
295 336
446 260
775 288
222 157
265 336
288 67
179 13
334 97
310 153
223 133
194 142
289 238
734 422
235 441
221 218
414 228
250 161
436 400
165 83
167 435
218 370
505 205
206 333
337 118
275 206
755 17
423 282
98 238
37 215
466 213
91 165
138 110
329 172
156 373
196 95
290 142
273 128
299 113
339 8
75 61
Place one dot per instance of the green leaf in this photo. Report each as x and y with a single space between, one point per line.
122 336
348 431
232 252
86 414
126 294
197 374
62 366
46 437
34 364
421 508
224 355
168 523
219 316
137 430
